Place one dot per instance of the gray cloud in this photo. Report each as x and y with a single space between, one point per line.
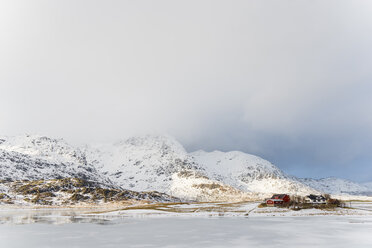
287 80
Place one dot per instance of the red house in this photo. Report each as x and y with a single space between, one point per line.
278 199
283 197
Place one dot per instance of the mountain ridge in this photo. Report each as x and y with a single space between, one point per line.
148 163
338 186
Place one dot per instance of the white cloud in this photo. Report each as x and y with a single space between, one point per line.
262 76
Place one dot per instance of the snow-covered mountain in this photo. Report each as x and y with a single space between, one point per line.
141 163
158 163
150 163
154 162
337 186
32 157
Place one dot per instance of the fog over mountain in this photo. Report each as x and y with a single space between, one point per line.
289 81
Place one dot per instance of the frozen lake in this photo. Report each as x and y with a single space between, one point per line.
187 225
314 231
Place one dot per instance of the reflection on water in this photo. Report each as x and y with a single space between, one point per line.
50 216
90 215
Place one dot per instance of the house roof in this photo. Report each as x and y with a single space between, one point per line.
316 197
278 196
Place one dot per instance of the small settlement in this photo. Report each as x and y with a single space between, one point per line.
282 199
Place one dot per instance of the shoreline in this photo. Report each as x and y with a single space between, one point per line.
181 209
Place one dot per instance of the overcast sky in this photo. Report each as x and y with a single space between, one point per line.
290 81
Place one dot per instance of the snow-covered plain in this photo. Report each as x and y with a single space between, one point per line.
219 224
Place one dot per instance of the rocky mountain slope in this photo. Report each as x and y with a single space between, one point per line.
71 191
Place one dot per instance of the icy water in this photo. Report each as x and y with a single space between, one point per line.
67 229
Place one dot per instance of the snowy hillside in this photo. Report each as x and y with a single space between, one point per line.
141 163
337 186
32 157
248 173
154 163
194 186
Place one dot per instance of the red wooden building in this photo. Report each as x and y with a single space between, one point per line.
278 199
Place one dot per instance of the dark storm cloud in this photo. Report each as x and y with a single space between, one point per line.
287 80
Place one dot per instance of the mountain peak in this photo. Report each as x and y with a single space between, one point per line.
164 142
